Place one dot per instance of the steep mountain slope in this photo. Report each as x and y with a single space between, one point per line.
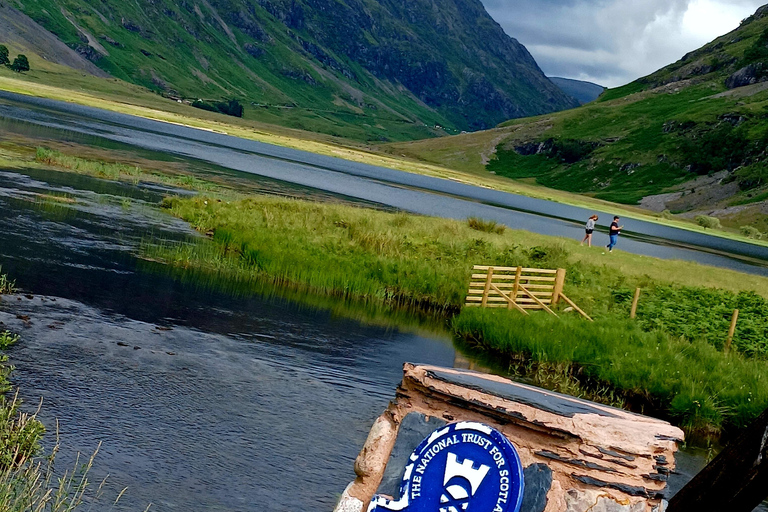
583 91
690 138
369 69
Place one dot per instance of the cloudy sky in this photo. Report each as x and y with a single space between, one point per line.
612 42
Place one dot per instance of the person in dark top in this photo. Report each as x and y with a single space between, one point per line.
613 233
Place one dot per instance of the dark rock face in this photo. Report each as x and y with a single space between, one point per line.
538 481
745 76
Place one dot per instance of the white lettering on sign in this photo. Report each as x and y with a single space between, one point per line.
437 448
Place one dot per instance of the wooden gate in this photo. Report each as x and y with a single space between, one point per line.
518 288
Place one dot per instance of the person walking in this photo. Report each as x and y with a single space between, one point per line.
589 228
613 233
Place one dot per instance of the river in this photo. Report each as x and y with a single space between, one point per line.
397 189
204 400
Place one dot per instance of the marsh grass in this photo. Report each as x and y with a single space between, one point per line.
6 285
662 360
486 226
120 171
340 250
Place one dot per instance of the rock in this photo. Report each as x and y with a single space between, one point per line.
121 344
746 76
253 50
538 482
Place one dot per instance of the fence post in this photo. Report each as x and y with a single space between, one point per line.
516 286
731 330
488 280
633 312
559 283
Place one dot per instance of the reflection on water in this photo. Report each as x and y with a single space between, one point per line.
203 401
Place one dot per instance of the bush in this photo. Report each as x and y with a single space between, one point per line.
4 55
702 389
751 232
708 222
228 107
20 63
486 226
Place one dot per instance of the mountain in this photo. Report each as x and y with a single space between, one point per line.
584 92
367 69
691 138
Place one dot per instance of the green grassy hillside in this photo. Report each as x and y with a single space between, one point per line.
370 70
696 130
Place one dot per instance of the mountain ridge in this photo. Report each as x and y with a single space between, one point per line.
395 69
688 140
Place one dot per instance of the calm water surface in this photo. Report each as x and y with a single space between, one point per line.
203 401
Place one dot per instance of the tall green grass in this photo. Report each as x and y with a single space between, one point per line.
342 251
671 356
699 387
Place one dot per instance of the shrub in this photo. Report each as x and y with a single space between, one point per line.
486 226
708 222
4 60
229 107
751 232
20 63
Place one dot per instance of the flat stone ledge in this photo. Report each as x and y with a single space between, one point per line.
577 455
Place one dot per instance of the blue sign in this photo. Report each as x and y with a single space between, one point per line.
463 467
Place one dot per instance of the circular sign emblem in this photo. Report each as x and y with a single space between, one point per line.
463 467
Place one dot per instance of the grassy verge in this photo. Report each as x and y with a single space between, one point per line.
671 356
117 96
690 381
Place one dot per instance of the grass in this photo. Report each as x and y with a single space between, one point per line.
119 171
690 381
396 259
6 284
450 158
486 226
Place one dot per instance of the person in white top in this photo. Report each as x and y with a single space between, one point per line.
589 228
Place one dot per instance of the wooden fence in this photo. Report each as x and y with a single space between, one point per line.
518 288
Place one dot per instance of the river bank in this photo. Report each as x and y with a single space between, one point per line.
94 92
671 356
396 259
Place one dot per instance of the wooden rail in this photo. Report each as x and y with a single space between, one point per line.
518 288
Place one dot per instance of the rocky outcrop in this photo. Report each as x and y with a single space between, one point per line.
577 455
747 75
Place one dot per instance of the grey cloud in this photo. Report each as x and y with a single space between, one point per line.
607 41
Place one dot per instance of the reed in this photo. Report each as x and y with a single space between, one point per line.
396 259
120 171
6 285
